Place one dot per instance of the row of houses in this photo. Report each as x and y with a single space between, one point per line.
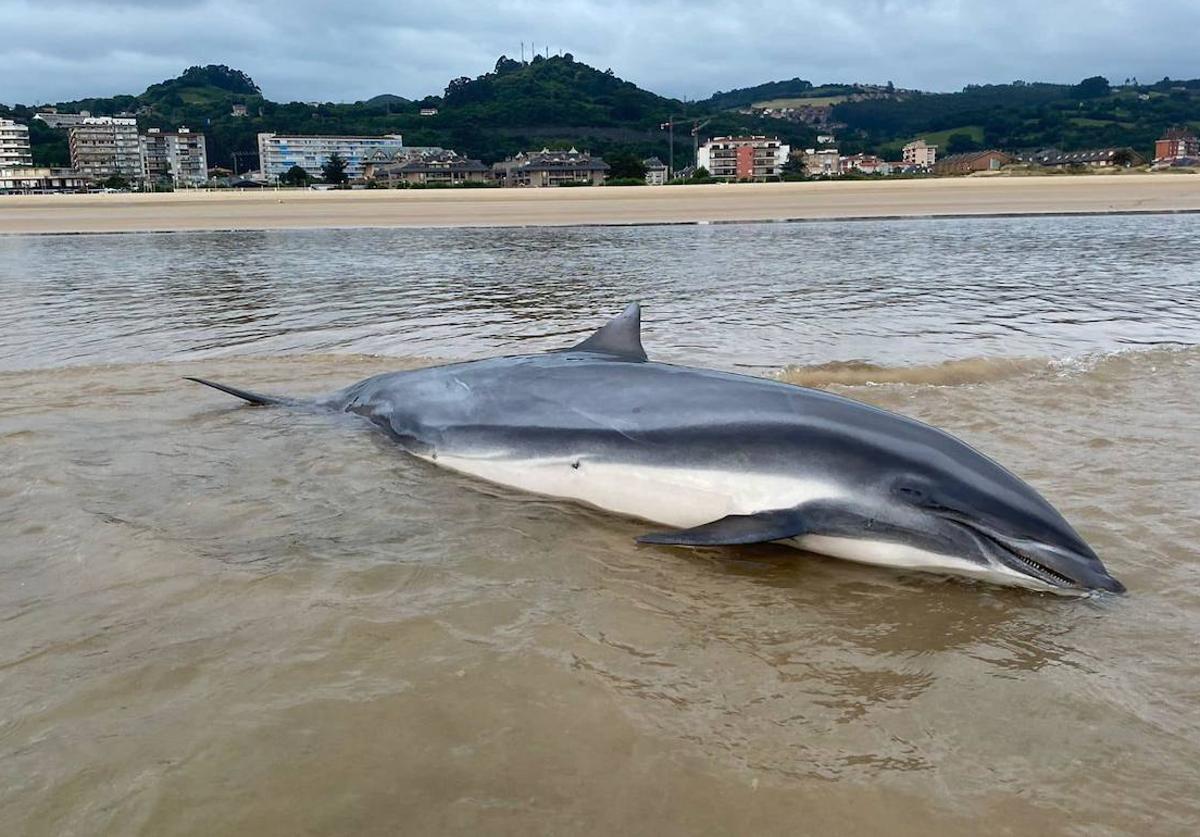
916 157
388 159
1178 147
102 147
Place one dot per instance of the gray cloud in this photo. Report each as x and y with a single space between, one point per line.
301 49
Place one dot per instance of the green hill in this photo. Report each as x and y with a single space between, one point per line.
746 96
559 102
1025 116
554 101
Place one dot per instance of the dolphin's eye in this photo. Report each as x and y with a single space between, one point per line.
911 492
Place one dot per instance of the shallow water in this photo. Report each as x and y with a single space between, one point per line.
227 620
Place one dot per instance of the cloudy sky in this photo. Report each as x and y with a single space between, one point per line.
301 49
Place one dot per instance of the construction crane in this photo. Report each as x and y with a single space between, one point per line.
669 127
696 126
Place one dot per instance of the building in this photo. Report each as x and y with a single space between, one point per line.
920 154
180 156
743 158
864 164
278 153
1092 158
551 168
656 171
429 111
107 146
822 162
391 155
973 161
54 119
14 145
27 180
1177 145
237 110
443 169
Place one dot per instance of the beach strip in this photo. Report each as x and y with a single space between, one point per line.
269 208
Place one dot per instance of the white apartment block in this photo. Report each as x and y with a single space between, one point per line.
743 158
919 153
107 146
278 153
180 156
14 144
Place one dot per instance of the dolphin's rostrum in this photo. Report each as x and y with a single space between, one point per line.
725 459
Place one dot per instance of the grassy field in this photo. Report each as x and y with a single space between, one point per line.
806 102
940 138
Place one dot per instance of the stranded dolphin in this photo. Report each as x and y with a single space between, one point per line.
725 459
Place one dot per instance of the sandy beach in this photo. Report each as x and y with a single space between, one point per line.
297 209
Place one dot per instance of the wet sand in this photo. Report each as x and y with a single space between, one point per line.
219 619
298 209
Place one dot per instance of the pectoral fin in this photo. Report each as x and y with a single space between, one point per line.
736 529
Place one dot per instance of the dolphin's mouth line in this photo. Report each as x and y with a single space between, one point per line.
1017 560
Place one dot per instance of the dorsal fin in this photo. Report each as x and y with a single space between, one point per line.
620 336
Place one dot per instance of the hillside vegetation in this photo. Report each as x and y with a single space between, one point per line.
554 102
559 102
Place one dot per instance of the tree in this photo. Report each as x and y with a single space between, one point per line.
626 166
794 168
334 170
1091 88
960 142
1123 157
506 65
115 182
456 87
295 176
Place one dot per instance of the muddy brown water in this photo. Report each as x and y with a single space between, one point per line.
220 619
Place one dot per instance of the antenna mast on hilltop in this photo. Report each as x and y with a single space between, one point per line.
522 52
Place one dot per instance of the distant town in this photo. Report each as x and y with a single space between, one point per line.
109 153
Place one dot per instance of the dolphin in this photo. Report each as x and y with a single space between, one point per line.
722 459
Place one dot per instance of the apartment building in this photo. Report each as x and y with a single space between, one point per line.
14 144
28 180
277 153
743 158
107 146
179 156
1176 145
551 168
445 168
919 153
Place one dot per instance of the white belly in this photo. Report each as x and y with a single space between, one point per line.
686 497
677 497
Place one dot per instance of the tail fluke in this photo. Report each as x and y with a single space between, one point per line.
252 397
